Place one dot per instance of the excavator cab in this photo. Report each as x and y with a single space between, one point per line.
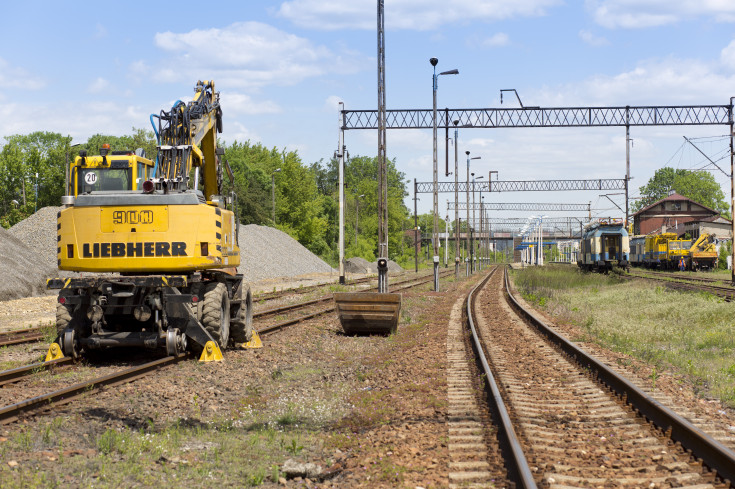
109 171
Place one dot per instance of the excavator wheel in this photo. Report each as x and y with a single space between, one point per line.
241 327
63 316
216 312
70 316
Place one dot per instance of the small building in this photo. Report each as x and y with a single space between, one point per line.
679 214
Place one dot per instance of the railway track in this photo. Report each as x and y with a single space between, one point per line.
679 283
318 311
13 412
309 288
30 335
19 336
567 420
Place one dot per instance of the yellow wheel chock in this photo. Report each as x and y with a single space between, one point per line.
255 342
211 353
54 352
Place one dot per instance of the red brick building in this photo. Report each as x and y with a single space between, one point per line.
670 215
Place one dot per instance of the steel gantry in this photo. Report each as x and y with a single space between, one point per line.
525 185
526 206
490 118
534 117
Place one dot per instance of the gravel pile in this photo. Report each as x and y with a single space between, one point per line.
22 273
269 253
394 267
360 265
28 255
38 232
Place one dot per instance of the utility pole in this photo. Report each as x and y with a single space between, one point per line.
627 164
416 242
382 172
341 194
732 191
457 227
446 239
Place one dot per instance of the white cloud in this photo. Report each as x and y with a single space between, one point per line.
592 39
98 85
421 15
248 54
241 133
727 56
100 31
238 103
633 14
651 82
79 120
497 40
14 77
331 104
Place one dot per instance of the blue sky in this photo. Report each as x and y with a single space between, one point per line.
282 66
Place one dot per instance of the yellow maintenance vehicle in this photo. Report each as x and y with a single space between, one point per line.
160 241
703 253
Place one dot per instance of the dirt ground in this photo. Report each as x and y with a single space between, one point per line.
369 411
313 408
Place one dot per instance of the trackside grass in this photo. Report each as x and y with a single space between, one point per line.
691 333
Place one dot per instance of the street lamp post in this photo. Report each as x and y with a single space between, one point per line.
456 205
435 78
416 242
482 239
468 239
273 193
479 240
446 238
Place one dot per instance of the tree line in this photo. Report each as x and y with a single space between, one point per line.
32 175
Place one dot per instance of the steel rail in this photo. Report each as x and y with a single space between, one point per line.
713 454
20 336
11 413
308 288
299 305
724 292
15 374
289 322
516 462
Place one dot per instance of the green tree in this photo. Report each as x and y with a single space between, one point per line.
33 173
140 138
361 179
725 251
700 186
299 207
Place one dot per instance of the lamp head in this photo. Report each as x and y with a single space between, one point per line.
433 61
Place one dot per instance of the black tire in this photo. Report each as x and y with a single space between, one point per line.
63 317
241 325
69 315
216 312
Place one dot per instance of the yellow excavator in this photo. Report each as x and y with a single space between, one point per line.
159 242
703 253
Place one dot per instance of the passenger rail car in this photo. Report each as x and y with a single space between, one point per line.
604 245
637 250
